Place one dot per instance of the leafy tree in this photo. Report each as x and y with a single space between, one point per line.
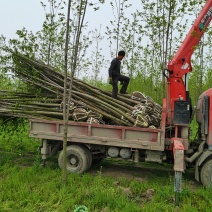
97 59
114 31
164 27
131 40
81 7
48 44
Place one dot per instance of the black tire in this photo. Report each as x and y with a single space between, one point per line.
77 159
88 155
206 174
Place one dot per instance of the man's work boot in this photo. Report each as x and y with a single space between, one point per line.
123 92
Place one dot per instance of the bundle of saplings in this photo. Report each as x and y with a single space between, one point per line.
88 103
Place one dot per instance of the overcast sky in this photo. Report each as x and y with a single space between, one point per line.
16 14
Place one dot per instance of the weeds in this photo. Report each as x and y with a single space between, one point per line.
28 187
14 136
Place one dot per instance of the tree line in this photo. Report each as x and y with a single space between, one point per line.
150 35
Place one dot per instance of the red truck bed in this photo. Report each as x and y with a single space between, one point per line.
110 135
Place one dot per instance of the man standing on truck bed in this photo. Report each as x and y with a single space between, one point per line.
115 75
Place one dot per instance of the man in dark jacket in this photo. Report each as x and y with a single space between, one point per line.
115 75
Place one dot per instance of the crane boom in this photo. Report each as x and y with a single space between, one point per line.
180 65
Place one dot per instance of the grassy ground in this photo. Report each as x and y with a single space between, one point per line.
107 187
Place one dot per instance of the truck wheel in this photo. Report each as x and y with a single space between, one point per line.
77 160
206 174
88 155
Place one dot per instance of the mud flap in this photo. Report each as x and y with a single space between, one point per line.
179 167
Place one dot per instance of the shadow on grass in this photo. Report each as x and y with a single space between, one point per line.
115 168
142 170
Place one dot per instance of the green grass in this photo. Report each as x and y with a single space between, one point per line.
14 136
111 186
34 188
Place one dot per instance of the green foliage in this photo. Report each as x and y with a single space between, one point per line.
14 136
117 27
98 59
143 187
48 43
28 188
6 82
138 83
194 129
150 35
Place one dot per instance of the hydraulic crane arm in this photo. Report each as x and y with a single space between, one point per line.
181 62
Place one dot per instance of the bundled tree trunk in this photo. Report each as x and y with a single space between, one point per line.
88 103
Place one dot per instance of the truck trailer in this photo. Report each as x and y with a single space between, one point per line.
170 142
